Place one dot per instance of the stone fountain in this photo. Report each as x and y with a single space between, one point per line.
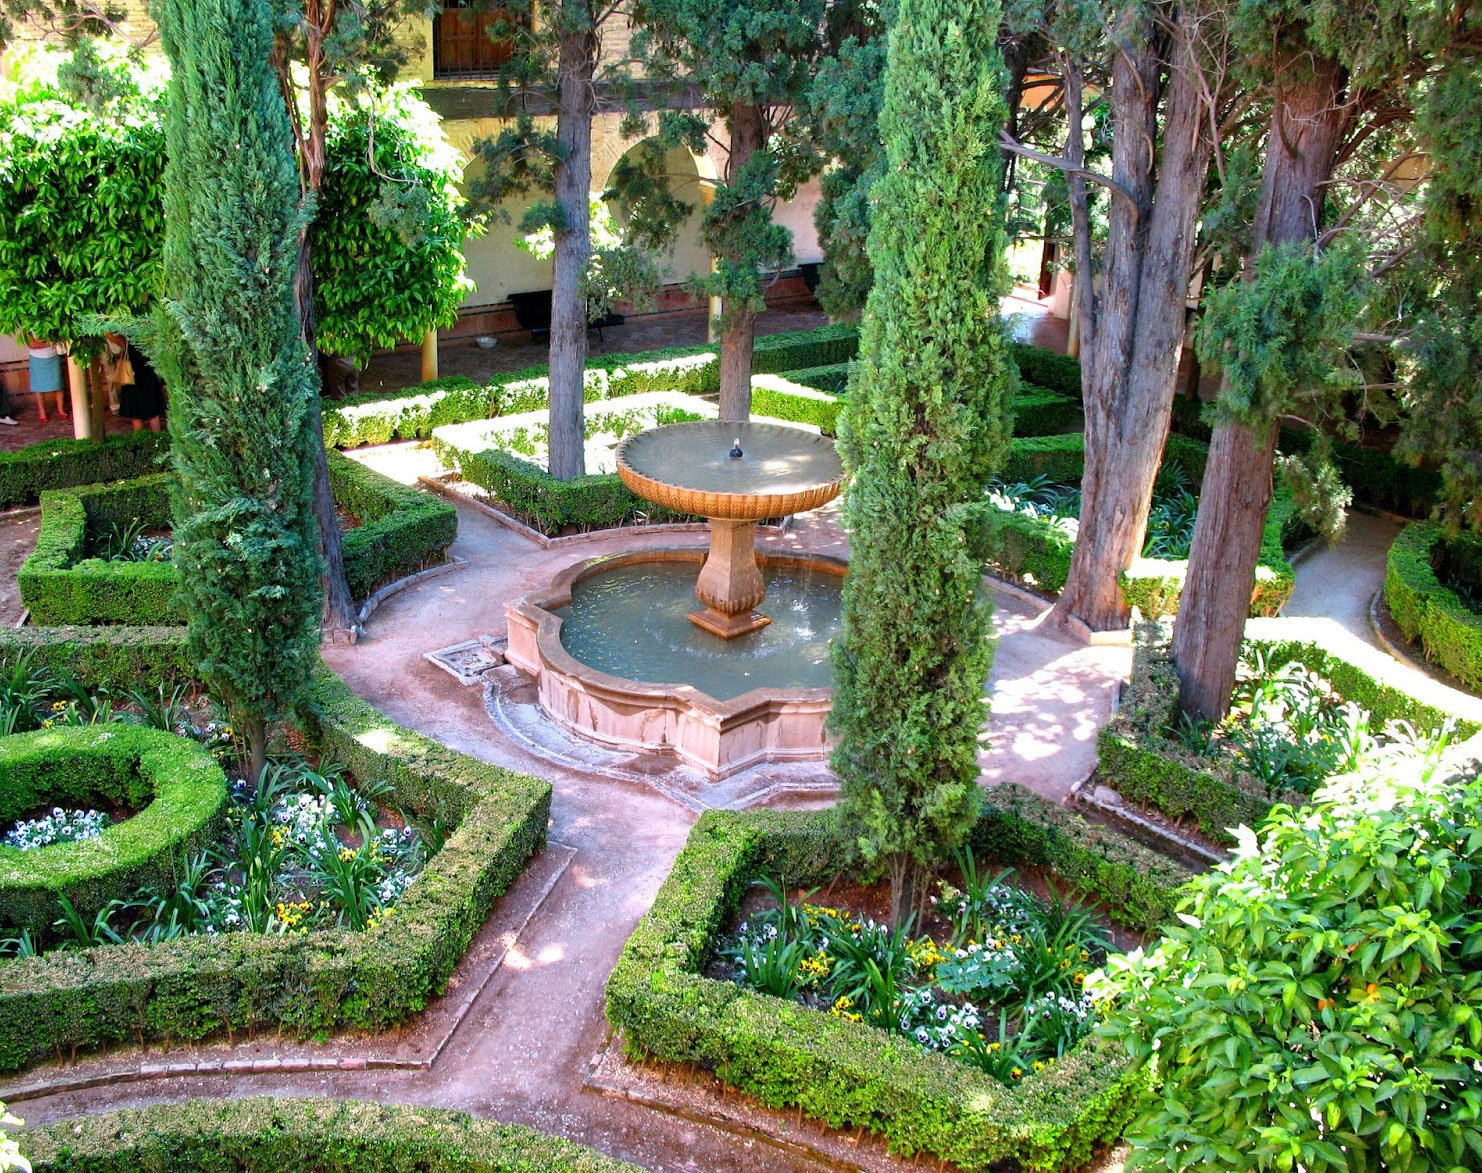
733 475
619 656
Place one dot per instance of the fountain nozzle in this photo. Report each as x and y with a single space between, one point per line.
736 453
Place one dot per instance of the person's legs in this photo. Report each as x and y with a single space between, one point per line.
138 425
62 404
156 424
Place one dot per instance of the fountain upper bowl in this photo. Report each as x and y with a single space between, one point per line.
688 467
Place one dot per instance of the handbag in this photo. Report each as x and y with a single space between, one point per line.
123 371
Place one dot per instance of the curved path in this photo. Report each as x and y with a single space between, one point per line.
533 1031
1334 589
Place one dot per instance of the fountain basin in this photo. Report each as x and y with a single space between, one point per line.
767 723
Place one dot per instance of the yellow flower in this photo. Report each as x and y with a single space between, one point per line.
346 855
1016 1072
58 706
1038 1066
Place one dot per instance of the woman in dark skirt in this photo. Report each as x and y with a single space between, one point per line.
141 395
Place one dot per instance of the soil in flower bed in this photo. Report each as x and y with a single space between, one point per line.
992 975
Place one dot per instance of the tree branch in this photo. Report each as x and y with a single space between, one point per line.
1071 168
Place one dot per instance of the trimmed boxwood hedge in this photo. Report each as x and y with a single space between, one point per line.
403 530
1049 369
541 501
1426 609
1138 758
784 399
176 782
411 414
846 1074
1036 550
268 1134
115 658
59 464
194 987
833 378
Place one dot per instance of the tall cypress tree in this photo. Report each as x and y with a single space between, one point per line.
241 382
926 423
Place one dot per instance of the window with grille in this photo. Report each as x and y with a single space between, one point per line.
461 44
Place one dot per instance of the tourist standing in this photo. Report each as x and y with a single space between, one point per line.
141 395
46 376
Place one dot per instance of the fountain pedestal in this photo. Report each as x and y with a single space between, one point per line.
730 584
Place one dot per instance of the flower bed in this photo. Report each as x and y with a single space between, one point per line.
1033 544
845 1073
272 1134
305 982
174 784
1426 609
65 581
1148 757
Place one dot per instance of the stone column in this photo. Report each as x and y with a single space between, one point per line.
82 420
429 356
730 584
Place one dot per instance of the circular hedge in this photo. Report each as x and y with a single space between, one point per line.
1426 609
122 765
308 1135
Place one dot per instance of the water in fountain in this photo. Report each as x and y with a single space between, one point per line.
630 622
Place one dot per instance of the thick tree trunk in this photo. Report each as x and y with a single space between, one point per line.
748 135
1307 123
576 62
255 739
1222 567
1132 333
907 881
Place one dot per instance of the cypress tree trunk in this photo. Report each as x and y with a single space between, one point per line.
1131 349
576 61
925 425
242 383
1307 122
748 135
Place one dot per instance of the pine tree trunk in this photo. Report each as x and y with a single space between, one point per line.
1131 350
748 135
906 880
568 350
1307 123
254 732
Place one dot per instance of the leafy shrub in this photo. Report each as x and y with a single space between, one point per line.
266 1134
1320 1006
1039 412
175 786
1426 609
783 399
833 378
1049 369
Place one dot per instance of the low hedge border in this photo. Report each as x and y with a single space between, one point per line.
268 1134
195 987
62 463
1376 477
378 418
833 378
1426 609
541 501
115 657
1037 551
1048 369
177 783
403 530
775 397
847 1075
1143 764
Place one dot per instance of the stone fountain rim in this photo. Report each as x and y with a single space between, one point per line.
720 504
537 606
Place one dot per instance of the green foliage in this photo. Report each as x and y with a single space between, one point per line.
1285 333
1318 1008
776 397
843 1073
175 786
113 659
267 1133
1140 755
1049 369
82 221
1443 423
388 228
241 381
194 987
1426 609
926 424
80 193
833 377
62 582
62 463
